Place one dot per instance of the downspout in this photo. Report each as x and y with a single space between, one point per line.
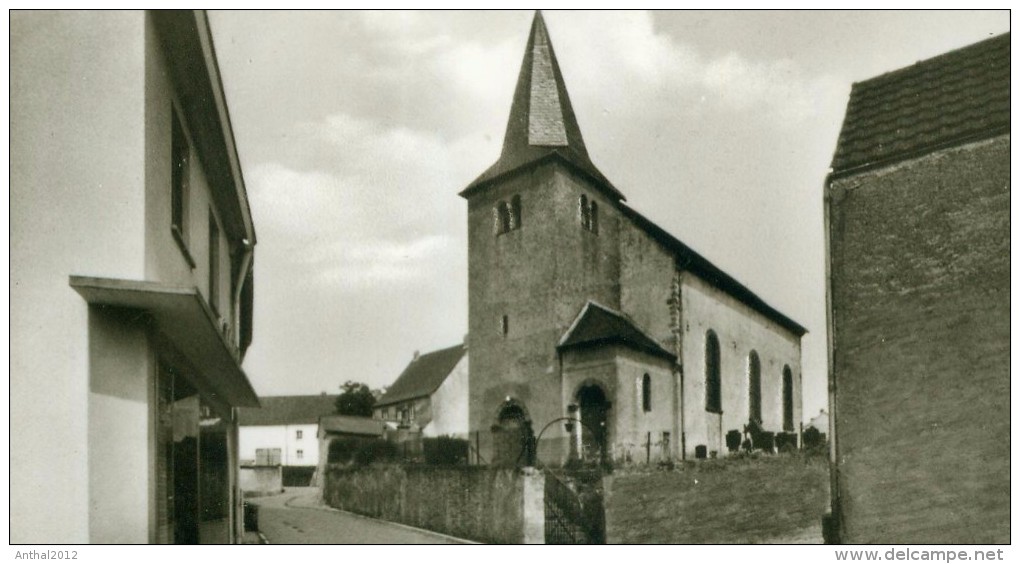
242 274
836 523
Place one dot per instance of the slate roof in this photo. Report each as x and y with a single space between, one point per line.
542 124
288 410
957 97
599 325
351 425
423 375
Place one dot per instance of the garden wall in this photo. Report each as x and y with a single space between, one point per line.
492 505
766 499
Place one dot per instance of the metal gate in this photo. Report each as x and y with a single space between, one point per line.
574 512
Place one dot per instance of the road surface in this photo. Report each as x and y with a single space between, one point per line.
298 516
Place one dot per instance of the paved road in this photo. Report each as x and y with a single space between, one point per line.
298 516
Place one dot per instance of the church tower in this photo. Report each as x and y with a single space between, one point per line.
543 232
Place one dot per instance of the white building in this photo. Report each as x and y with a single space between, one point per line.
284 431
131 283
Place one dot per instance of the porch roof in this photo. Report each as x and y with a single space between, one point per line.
183 315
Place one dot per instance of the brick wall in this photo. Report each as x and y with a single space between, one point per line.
920 311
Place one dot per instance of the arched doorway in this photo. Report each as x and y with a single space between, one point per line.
594 415
513 436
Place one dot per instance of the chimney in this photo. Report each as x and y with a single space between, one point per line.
415 356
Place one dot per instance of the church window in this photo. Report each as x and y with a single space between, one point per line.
754 387
506 217
646 393
787 399
588 212
713 381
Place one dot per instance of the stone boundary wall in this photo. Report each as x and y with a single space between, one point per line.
491 505
734 500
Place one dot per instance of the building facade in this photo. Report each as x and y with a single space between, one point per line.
581 308
284 431
430 396
131 282
918 226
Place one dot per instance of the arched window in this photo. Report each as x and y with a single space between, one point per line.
593 220
713 381
787 399
515 211
646 393
754 387
505 217
584 211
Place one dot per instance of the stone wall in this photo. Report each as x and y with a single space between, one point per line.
261 480
920 299
768 499
490 505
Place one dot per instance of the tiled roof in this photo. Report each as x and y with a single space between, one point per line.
351 425
288 410
423 375
956 97
542 124
598 325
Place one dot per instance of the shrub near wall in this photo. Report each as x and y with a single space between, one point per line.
470 502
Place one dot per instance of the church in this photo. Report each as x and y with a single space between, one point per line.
593 332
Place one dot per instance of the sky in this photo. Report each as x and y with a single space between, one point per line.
356 131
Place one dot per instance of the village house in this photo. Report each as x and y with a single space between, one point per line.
430 396
131 282
284 430
918 227
579 307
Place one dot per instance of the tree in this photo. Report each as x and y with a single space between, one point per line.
355 399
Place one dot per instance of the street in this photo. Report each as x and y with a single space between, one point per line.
298 516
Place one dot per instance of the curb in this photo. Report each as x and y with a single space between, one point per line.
382 521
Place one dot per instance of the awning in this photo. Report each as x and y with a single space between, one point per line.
183 316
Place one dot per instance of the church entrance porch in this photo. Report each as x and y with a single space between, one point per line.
593 432
513 437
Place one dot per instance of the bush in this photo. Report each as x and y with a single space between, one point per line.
766 441
786 442
445 451
814 439
341 451
375 450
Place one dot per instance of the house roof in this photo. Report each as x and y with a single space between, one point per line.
598 325
956 97
542 124
423 375
351 425
288 410
689 259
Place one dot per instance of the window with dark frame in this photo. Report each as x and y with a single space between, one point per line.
180 155
214 263
713 383
299 434
504 325
646 393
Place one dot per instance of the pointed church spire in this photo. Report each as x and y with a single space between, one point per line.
542 123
